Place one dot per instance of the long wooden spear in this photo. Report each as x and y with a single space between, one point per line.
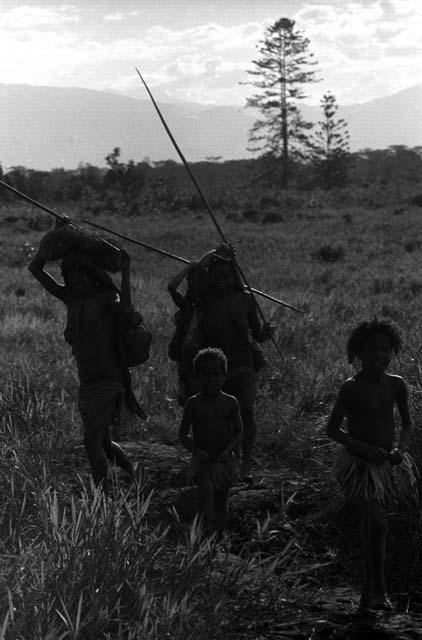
150 247
206 203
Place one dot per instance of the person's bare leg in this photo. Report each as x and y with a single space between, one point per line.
249 435
367 587
377 531
221 511
93 441
115 454
206 501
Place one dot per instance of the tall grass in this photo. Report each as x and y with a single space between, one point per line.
84 566
76 565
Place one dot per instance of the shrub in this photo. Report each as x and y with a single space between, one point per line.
412 245
251 214
272 216
417 199
329 253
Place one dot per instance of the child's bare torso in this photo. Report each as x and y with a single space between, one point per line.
212 422
92 331
370 408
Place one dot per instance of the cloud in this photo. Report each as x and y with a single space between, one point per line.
26 17
113 17
362 48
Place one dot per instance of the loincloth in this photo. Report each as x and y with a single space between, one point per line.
222 475
388 484
100 403
241 383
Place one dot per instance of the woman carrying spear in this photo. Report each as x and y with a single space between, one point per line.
229 320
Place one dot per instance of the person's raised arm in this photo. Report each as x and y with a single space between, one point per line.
407 427
237 426
50 284
175 283
125 292
184 437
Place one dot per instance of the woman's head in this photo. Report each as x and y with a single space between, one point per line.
81 276
223 277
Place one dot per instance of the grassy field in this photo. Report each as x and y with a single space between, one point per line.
74 565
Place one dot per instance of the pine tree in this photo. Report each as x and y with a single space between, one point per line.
330 146
280 72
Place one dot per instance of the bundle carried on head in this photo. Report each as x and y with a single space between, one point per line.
67 238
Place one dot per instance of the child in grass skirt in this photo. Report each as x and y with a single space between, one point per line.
369 469
214 417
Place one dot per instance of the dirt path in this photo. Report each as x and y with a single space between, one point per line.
312 601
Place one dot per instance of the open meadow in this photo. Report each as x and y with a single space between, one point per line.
73 565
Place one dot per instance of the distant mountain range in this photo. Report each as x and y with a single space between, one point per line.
48 127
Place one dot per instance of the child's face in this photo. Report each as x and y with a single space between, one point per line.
222 279
211 376
376 353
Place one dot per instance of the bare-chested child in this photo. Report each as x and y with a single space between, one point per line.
93 306
216 424
229 321
370 469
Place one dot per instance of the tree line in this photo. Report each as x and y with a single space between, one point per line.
292 152
131 188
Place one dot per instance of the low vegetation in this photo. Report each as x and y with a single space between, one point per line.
74 565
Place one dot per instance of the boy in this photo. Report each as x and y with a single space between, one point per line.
216 435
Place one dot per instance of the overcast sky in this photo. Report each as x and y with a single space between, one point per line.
199 50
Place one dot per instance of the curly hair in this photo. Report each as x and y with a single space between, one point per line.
210 353
361 334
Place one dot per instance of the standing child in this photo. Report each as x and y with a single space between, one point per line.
370 469
216 435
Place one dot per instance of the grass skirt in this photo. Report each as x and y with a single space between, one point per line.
388 484
221 475
100 403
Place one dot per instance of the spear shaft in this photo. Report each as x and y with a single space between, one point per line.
162 252
205 201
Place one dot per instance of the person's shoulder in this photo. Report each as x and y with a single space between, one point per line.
348 385
228 399
194 400
349 382
397 381
394 377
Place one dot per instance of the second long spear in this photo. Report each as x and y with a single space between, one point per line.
205 201
61 216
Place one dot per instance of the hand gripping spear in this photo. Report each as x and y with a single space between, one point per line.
206 203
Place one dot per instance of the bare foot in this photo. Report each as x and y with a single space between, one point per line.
379 602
